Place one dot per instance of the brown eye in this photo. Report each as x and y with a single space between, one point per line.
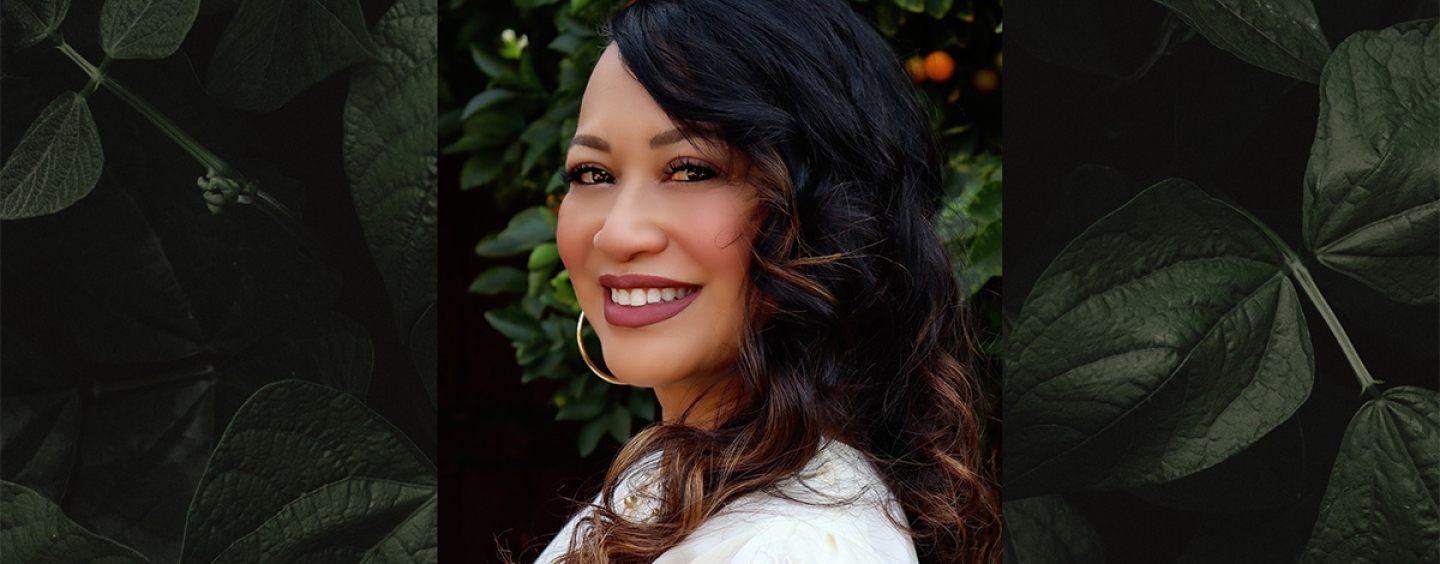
588 175
689 172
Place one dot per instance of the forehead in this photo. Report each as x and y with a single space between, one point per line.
615 101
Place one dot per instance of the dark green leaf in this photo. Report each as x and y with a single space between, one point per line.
1047 530
29 21
587 407
1382 504
499 280
423 339
620 424
1372 188
140 455
145 29
517 325
938 8
390 156
642 403
292 438
526 230
414 541
1163 340
487 62
543 258
916 6
479 170
34 531
274 49
342 522
56 163
1281 36
590 435
567 43
484 100
1266 475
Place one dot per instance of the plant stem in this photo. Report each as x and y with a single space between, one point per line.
1368 383
214 165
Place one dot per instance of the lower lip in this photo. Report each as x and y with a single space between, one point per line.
630 316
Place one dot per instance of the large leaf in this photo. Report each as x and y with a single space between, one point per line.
1163 340
34 531
1048 530
145 29
342 523
274 49
1266 475
56 163
390 156
141 453
1372 188
1382 504
291 439
28 21
1282 36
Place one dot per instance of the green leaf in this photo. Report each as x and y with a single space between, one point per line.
33 530
938 8
1382 504
620 424
29 21
590 435
1048 530
528 229
587 407
56 163
544 257
517 325
274 49
499 280
342 522
487 62
642 403
390 156
480 170
292 439
1163 340
414 541
916 6
1266 475
1281 36
1372 188
145 29
484 100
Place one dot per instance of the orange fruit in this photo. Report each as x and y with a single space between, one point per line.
939 66
915 66
986 80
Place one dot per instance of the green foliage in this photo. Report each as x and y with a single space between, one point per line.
1164 353
1141 357
138 319
1372 205
1048 530
510 98
58 161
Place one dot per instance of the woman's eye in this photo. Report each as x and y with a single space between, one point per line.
689 173
588 175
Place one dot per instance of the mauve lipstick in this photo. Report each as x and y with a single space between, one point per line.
629 316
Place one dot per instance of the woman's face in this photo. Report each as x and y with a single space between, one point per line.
656 234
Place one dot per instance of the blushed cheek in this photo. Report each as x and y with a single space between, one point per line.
574 245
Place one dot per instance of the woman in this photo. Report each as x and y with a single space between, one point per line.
747 231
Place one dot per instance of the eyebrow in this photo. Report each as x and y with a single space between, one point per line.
659 140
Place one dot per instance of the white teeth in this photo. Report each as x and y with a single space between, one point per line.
643 296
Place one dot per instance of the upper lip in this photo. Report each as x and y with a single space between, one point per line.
628 281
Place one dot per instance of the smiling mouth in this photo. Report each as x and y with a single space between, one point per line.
636 301
638 297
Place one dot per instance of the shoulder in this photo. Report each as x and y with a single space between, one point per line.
837 511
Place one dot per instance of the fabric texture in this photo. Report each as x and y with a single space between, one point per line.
834 512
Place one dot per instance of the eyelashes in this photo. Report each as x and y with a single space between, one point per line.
681 170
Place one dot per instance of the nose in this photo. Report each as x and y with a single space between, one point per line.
632 228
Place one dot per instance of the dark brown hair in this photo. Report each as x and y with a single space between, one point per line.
855 332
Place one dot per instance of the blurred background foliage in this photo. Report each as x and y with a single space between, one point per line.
510 90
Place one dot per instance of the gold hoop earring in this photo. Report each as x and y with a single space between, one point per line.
580 341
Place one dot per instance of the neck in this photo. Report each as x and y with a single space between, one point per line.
707 399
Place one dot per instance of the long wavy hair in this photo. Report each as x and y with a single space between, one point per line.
856 332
